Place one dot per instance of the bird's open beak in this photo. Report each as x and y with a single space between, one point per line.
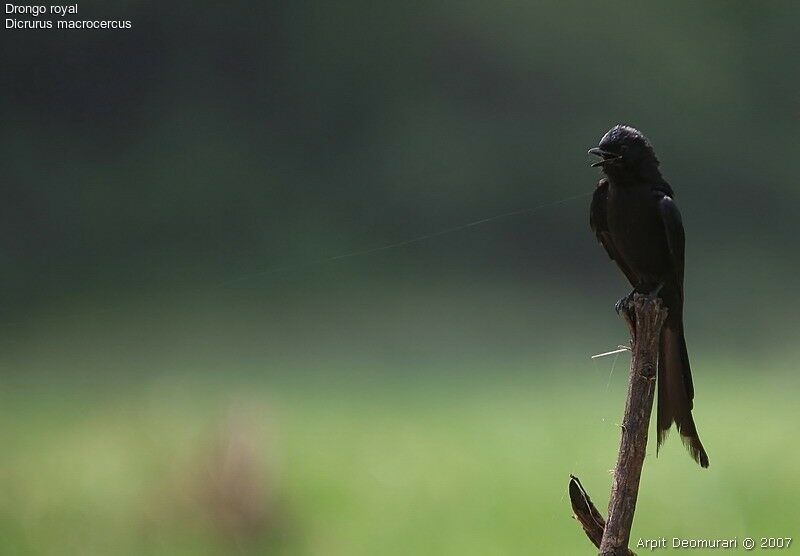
606 156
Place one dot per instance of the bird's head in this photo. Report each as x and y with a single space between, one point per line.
623 148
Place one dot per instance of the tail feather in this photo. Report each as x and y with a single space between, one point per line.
676 391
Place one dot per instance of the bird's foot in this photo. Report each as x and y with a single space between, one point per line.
624 304
653 294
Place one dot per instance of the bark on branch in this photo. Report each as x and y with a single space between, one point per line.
645 317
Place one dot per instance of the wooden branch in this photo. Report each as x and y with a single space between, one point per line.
645 317
585 512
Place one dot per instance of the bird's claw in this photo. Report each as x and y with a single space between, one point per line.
624 304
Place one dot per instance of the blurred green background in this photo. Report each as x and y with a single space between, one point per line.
188 369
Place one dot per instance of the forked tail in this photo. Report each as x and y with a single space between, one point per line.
676 391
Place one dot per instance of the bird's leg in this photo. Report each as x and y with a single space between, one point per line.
653 294
625 303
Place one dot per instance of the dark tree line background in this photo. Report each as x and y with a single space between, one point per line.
212 142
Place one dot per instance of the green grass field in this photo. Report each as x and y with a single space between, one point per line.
365 463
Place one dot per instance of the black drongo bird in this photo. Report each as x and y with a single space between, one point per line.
634 217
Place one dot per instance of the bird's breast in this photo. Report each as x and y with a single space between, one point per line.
635 225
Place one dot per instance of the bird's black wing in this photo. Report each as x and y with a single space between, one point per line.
673 228
597 220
